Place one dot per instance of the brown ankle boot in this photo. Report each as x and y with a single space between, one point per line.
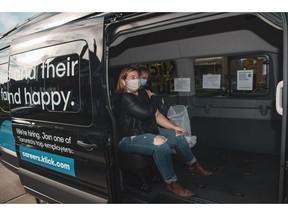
196 168
179 190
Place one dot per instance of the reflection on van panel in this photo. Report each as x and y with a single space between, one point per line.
58 75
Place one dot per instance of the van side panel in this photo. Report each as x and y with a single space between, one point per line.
54 191
7 140
59 112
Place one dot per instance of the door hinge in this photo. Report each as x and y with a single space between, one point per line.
108 144
285 166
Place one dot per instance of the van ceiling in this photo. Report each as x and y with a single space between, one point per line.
171 33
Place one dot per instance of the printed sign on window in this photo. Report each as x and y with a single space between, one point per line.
182 84
245 80
211 81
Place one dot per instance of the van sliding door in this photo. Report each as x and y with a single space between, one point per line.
58 112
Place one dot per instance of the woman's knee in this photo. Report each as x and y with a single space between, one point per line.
162 145
159 140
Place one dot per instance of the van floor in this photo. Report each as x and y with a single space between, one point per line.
238 177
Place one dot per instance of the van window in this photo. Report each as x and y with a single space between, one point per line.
52 84
243 76
4 104
162 77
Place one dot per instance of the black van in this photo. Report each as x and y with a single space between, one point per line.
58 72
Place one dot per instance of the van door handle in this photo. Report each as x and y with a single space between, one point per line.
279 99
87 146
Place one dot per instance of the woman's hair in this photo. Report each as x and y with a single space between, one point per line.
145 70
123 75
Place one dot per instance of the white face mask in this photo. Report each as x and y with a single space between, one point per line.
143 82
133 85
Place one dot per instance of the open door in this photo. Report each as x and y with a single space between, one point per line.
58 112
281 106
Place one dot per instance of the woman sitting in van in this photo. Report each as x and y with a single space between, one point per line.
145 76
138 119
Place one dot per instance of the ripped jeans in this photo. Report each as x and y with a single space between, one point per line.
161 152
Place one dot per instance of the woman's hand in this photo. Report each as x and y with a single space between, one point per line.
165 123
179 130
149 93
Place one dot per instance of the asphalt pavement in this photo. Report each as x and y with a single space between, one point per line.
11 189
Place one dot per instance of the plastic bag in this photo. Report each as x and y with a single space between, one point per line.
178 114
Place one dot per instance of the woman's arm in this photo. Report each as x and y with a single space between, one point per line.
164 122
133 107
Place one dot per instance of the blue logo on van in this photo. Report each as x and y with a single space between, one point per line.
51 161
7 139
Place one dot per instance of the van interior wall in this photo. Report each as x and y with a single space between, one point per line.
234 140
229 132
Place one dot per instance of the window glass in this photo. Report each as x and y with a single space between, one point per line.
66 70
4 99
52 84
162 76
232 76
